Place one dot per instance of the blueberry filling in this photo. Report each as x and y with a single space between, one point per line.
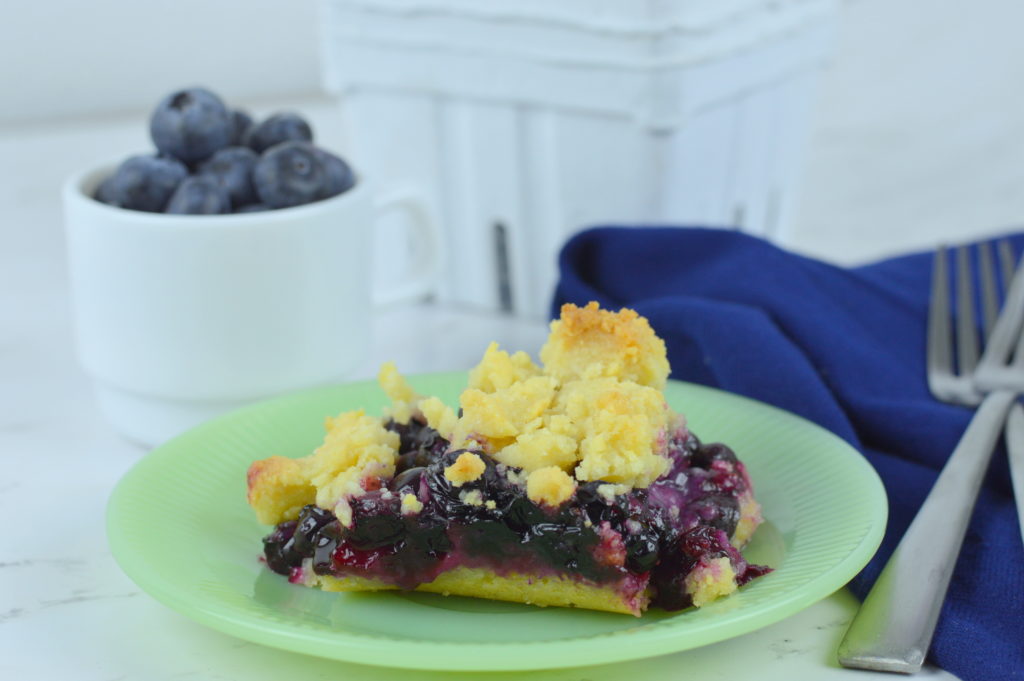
658 534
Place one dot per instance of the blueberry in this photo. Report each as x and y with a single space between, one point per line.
105 192
325 543
720 511
419 444
311 520
598 507
240 124
339 174
291 174
277 548
143 183
281 127
231 168
199 195
252 208
642 544
410 478
191 125
522 514
705 455
702 541
669 581
376 522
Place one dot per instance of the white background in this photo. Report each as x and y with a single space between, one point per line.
917 135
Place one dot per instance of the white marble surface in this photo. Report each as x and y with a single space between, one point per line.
67 611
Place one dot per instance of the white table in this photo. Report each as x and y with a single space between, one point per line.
67 611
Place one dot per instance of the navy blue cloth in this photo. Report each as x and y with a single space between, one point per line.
843 348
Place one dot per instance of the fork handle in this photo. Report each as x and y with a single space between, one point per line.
894 626
1015 450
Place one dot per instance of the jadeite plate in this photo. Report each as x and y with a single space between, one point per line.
179 526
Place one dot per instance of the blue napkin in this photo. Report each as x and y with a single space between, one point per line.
845 349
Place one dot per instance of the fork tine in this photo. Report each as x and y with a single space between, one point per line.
1007 264
966 331
1005 334
940 355
989 292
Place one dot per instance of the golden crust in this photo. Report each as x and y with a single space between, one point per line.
595 410
530 589
278 489
588 342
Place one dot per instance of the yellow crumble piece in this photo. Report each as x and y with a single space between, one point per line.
505 412
708 582
588 342
498 370
609 492
403 397
411 505
439 416
551 486
278 489
356 448
467 468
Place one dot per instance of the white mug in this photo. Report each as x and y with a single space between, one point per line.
179 318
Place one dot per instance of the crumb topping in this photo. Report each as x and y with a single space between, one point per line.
609 492
499 370
278 489
588 342
403 397
411 505
467 468
356 448
594 411
439 416
506 412
710 580
343 510
551 486
473 497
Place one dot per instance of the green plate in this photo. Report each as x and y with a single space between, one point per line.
179 526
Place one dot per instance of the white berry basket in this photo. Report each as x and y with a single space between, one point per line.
522 121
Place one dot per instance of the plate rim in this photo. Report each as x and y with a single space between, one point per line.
367 649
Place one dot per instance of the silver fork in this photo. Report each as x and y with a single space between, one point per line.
894 626
996 371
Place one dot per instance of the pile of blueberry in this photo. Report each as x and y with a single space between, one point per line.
211 160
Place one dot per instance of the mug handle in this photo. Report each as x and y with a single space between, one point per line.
421 280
